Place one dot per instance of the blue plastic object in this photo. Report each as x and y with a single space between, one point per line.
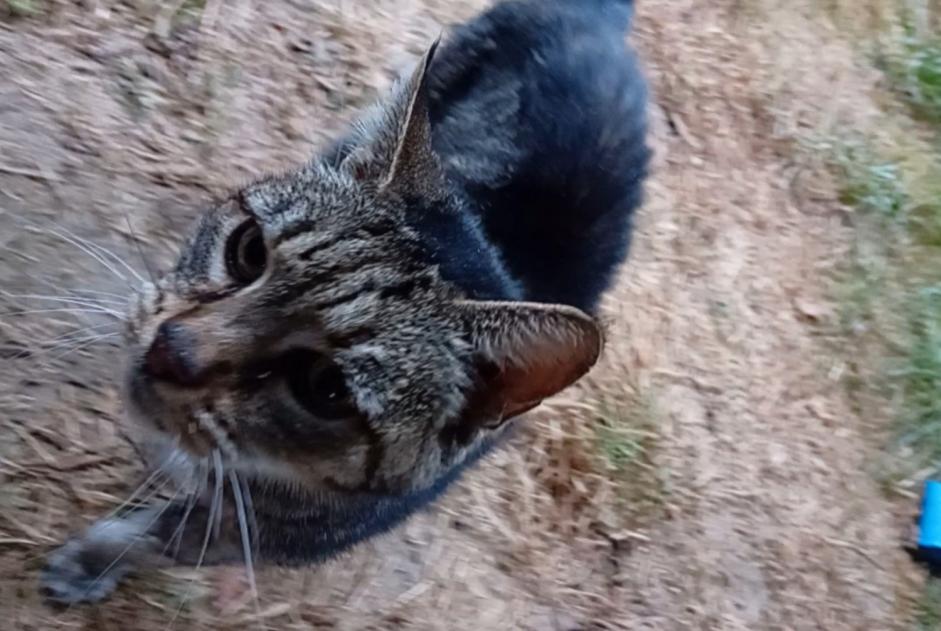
928 551
929 535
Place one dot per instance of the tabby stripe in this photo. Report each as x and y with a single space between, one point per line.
307 254
296 229
346 270
305 226
324 305
406 288
375 454
348 339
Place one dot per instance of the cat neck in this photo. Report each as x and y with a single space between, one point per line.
298 527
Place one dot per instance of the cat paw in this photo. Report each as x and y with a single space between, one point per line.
89 567
80 573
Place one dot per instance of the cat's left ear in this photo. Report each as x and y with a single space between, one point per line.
395 142
524 353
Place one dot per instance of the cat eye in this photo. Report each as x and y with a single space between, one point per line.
245 253
319 385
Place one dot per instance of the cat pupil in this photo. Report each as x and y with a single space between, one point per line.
318 385
253 253
328 383
246 255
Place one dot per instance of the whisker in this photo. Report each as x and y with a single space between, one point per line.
90 252
213 508
140 251
76 331
98 310
79 345
250 506
85 302
176 539
110 294
152 478
61 290
103 251
66 341
198 484
217 467
244 532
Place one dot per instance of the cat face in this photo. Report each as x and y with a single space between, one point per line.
305 334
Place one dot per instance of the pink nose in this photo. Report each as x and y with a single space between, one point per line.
169 357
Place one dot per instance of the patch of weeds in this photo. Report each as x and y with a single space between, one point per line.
928 609
190 12
625 437
918 377
891 295
24 8
623 431
913 67
925 223
875 189
870 184
620 446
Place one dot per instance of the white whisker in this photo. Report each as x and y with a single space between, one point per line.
62 291
250 507
103 251
215 506
140 251
80 344
199 480
151 479
97 292
176 539
90 252
96 310
76 331
83 302
70 345
217 468
245 536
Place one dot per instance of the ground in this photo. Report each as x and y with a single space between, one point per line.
711 473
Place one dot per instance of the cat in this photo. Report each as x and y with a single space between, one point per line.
336 345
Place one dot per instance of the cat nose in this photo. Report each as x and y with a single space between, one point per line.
169 357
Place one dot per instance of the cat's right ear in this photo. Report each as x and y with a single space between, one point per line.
524 353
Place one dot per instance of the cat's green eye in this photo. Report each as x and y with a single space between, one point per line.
245 253
319 386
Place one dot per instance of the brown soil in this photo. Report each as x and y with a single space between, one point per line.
751 506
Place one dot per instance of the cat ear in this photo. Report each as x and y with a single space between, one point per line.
394 144
414 156
525 352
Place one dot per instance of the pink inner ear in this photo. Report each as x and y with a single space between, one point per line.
528 352
541 377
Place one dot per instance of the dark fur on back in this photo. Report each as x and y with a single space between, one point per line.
337 344
539 111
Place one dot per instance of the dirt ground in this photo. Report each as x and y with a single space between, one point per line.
751 505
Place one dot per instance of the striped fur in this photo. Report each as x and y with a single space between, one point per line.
392 257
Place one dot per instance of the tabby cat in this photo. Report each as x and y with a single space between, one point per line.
335 345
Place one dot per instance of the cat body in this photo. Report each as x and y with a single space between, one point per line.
336 345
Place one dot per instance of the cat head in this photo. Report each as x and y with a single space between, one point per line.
305 333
